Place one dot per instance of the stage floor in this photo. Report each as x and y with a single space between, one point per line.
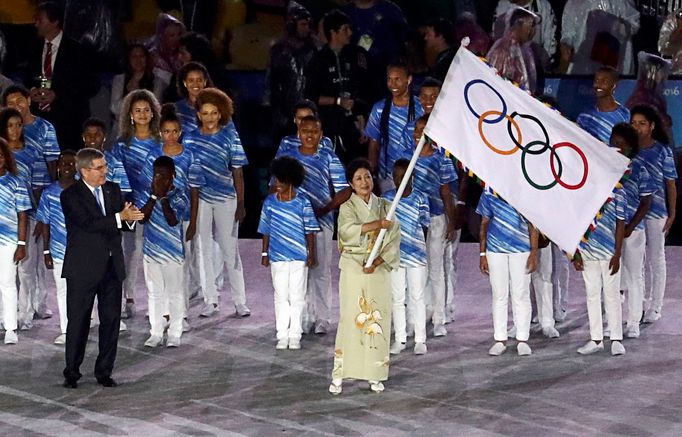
227 378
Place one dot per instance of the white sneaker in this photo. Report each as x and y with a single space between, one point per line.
335 387
551 332
208 310
420 349
651 316
11 337
60 340
632 331
321 327
122 327
397 347
376 386
497 349
186 327
282 344
173 342
523 349
153 341
591 347
294 343
439 330
242 310
617 348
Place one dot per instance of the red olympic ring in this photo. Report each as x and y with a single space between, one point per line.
582 157
513 122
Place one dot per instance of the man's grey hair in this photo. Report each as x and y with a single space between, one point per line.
84 157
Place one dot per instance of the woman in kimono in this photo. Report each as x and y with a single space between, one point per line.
363 335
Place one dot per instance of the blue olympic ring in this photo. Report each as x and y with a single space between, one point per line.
473 111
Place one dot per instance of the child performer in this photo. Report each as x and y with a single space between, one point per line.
508 255
164 254
288 225
410 278
599 260
15 201
54 231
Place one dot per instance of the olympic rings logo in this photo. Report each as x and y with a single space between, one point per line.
536 147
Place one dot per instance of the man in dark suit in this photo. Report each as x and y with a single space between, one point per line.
93 263
61 77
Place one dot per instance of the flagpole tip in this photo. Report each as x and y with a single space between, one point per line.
465 41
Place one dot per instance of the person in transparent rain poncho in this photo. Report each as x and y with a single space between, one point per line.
670 40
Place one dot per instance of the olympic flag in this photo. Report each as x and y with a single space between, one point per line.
554 173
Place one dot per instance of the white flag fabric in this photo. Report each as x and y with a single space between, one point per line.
554 173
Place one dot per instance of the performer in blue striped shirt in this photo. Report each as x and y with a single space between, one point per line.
139 130
288 226
326 187
50 214
164 254
15 200
387 121
658 159
508 255
607 112
410 278
304 108
191 79
217 146
94 135
428 93
599 260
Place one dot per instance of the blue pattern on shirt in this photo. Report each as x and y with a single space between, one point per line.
42 136
133 158
507 229
187 115
389 153
601 244
638 185
50 212
600 124
659 162
294 142
324 176
218 155
413 215
287 223
14 198
430 172
163 243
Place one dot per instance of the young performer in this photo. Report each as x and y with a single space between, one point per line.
607 112
599 260
410 278
94 135
50 214
288 225
221 201
15 201
508 255
304 108
164 254
191 79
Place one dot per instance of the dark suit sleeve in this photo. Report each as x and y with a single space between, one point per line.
76 213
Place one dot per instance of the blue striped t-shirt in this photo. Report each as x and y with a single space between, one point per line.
637 186
14 198
50 212
659 162
42 136
601 244
599 124
163 243
507 229
430 172
413 215
133 158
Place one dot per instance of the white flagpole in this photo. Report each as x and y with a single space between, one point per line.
398 195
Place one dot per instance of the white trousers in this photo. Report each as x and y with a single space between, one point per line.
32 287
192 276
8 286
216 222
435 251
597 276
60 284
560 275
450 262
632 276
165 291
508 275
408 284
541 279
655 261
319 296
132 257
289 280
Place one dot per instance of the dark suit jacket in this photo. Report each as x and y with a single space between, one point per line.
91 236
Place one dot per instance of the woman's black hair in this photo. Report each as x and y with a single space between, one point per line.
5 115
288 171
629 134
356 165
388 102
305 104
652 115
168 113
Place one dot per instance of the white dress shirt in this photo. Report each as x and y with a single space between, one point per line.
56 41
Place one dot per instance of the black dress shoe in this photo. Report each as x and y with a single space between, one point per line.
70 383
107 382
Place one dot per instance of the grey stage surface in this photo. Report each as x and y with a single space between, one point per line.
227 378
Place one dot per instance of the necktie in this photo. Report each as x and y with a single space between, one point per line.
99 202
47 63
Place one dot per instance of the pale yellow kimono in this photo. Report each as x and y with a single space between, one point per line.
363 336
